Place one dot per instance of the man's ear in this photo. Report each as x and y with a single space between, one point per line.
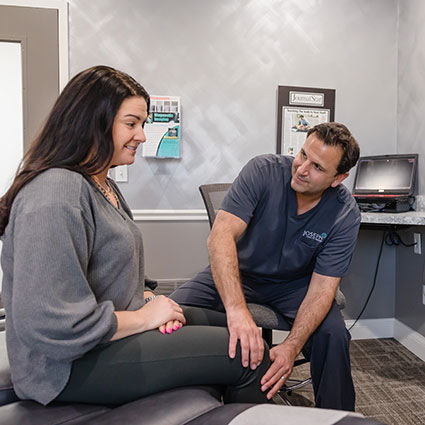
339 178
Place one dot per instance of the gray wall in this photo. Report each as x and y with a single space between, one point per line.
411 82
409 277
410 134
225 58
175 250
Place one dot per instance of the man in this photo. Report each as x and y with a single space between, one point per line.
284 236
303 124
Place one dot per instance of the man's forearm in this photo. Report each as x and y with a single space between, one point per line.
225 270
312 311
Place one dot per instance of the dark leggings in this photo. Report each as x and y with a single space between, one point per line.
139 365
327 348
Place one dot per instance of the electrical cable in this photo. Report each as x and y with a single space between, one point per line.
390 238
374 282
393 238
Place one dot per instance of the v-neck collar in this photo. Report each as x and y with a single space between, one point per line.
294 203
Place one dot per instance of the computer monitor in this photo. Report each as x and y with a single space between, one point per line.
386 176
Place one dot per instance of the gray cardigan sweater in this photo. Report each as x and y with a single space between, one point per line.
69 259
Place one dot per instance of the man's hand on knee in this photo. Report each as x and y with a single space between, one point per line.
243 328
282 357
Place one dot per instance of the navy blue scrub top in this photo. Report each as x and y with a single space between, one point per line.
279 245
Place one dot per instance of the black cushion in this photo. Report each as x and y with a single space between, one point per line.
178 406
32 413
221 415
7 394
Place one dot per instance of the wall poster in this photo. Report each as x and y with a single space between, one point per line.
162 128
299 109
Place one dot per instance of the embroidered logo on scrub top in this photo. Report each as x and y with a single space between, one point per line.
314 236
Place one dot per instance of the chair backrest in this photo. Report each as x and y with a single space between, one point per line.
213 195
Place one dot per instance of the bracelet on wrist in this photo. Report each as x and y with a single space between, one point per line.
152 297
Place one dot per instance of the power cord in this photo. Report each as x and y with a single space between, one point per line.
394 239
374 282
391 238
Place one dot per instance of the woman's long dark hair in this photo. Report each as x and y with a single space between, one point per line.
77 134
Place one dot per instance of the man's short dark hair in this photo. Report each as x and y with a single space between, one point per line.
336 134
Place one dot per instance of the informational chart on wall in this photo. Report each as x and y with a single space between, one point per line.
163 128
300 109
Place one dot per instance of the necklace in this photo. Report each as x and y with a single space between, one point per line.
109 193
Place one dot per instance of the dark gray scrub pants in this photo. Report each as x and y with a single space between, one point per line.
327 348
139 365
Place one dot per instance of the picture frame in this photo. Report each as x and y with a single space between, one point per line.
298 110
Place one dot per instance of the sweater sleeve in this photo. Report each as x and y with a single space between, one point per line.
54 309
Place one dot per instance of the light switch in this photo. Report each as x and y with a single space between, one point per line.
121 173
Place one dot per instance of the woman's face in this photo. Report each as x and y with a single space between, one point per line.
127 130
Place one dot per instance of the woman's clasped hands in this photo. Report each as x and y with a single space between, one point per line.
166 314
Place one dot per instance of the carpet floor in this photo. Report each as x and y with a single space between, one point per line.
389 382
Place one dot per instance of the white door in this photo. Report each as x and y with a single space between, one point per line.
11 114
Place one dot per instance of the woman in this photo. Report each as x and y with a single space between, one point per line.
80 326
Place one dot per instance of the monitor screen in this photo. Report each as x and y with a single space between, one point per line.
386 174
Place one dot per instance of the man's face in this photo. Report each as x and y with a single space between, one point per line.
315 167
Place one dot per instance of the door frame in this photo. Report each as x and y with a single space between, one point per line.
62 7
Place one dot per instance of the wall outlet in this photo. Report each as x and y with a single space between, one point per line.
121 174
417 240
